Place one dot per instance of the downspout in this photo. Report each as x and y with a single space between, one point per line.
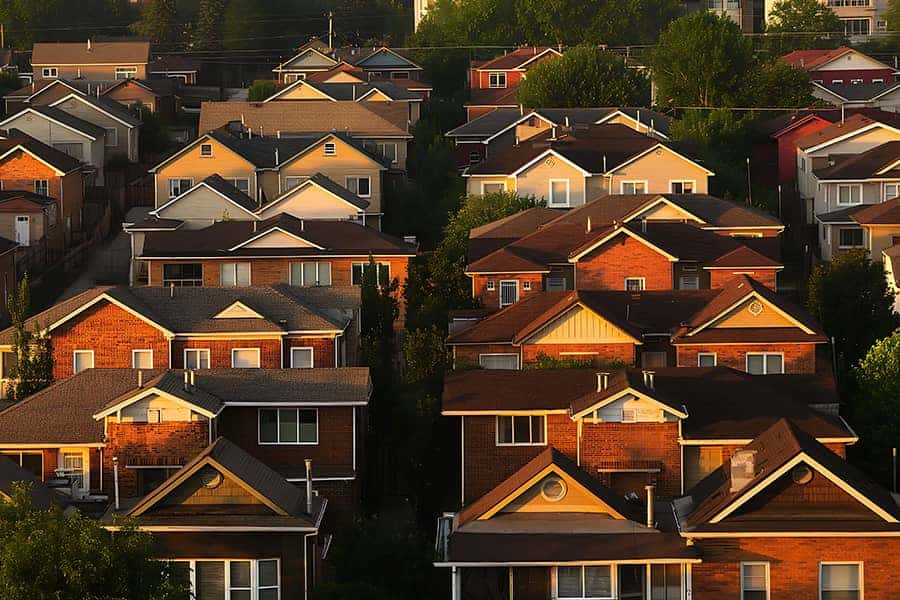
578 448
462 461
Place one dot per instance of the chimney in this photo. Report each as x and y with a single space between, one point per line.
648 379
639 119
277 162
171 290
567 121
588 229
553 133
140 379
254 226
116 479
309 489
278 134
743 468
517 139
604 166
650 521
602 381
353 87
301 225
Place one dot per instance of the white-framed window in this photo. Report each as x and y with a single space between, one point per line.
526 285
126 72
245 358
891 191
238 579
154 415
330 149
196 358
837 81
235 274
206 150
492 187
142 359
111 139
241 183
293 181
41 187
585 582
509 292
635 284
754 581
689 282
840 580
361 186
179 185
850 237
508 362
50 72
683 186
521 430
765 363
357 273
301 357
387 150
559 193
490 285
856 26
497 80
299 426
74 468
849 194
81 360
878 80
556 284
856 81
183 275
634 187
706 359
311 274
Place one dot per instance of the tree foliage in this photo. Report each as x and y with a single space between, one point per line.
877 405
159 23
802 16
49 555
775 83
33 368
584 77
892 15
261 89
207 31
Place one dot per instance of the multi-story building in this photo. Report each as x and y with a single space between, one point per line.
106 60
493 83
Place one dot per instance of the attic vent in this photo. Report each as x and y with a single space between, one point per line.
629 415
743 468
553 489
755 308
211 479
801 474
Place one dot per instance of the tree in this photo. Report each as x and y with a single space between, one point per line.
701 60
877 404
584 77
261 89
892 15
802 16
48 555
159 22
208 26
850 298
775 83
33 368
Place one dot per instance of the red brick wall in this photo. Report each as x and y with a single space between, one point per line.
491 299
323 350
794 565
112 334
767 277
798 358
172 443
606 267
605 353
220 351
468 355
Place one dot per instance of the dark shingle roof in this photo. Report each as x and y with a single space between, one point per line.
860 91
225 188
42 497
865 165
71 121
52 156
91 53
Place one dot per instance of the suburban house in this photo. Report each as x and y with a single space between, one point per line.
493 83
381 127
268 327
36 168
121 128
884 96
182 69
156 94
31 220
624 242
92 60
841 65
569 166
744 326
262 176
500 128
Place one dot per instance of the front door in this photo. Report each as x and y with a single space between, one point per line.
23 230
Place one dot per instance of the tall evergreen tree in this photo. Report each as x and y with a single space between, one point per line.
209 24
159 23
33 367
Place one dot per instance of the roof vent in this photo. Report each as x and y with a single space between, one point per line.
801 474
743 469
89 44
649 379
588 229
410 239
602 381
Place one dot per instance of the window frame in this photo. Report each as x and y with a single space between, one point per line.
234 180
44 184
129 72
312 356
518 359
714 355
179 181
501 80
75 354
530 425
359 178
641 280
226 574
277 410
135 351
501 183
755 563
362 272
526 285
17 457
862 240
204 154
329 149
552 281
50 72
490 286
550 202
234 265
199 351
633 183
860 573
682 277
765 356
500 288
850 187
195 282
111 141
302 282
613 582
692 182
258 357
884 191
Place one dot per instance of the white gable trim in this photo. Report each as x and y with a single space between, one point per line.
43 116
638 124
537 56
282 66
81 99
640 155
270 230
297 84
110 299
210 188
518 122
663 200
629 391
542 156
755 295
296 189
241 306
613 234
143 393
851 134
56 171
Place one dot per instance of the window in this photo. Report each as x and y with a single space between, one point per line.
387 150
154 415
802 164
33 462
878 81
689 282
681 187
112 137
293 181
526 285
556 284
206 150
850 237
178 186
240 183
235 274
183 275
196 358
474 158
399 75
245 358
496 80
584 582
499 361
232 579
82 359
361 186
311 273
706 359
665 582
654 360
330 149
493 187
837 81
634 187
509 293
840 581
126 72
891 191
490 285
634 284
288 426
765 363
142 359
73 469
755 581
74 150
50 72
559 192
301 358
521 430
357 271
849 194
41 187
856 26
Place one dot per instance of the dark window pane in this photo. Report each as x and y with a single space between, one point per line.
308 426
537 429
240 574
522 430
287 425
210 580
268 426
268 573
505 429
34 464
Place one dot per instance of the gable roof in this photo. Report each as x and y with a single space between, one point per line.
81 126
853 125
56 159
221 187
858 92
109 107
516 60
349 92
883 213
325 183
812 60
324 60
121 53
169 384
375 58
878 162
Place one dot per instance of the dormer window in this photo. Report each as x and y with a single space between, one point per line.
330 149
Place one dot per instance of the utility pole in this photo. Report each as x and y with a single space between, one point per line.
330 30
749 185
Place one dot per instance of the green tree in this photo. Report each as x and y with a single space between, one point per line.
426 357
207 33
792 16
876 409
892 15
701 60
159 23
776 83
261 89
48 555
584 77
850 298
33 368
22 18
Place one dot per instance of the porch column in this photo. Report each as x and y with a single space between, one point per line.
455 583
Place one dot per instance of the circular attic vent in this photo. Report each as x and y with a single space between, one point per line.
553 489
211 479
755 308
801 474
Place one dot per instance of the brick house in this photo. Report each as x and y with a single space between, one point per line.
493 83
269 327
742 325
624 242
